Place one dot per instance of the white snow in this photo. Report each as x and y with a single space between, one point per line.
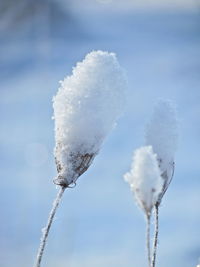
85 110
162 135
161 132
145 178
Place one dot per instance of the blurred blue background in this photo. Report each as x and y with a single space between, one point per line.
98 223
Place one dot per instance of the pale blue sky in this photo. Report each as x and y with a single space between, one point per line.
98 223
137 4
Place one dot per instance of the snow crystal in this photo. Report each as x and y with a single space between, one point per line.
161 134
145 178
85 110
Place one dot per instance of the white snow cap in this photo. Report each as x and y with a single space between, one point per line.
162 135
145 178
85 110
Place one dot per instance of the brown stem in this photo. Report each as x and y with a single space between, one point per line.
148 240
45 230
155 242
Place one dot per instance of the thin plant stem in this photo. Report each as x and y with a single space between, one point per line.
148 239
45 230
155 241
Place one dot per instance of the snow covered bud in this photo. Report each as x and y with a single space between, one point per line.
85 110
145 178
162 135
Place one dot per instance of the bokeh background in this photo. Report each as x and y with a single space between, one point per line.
98 224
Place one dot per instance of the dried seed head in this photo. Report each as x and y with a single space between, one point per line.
85 110
79 163
162 135
145 178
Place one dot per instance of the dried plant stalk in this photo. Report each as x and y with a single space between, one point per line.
155 241
80 163
96 82
45 230
148 239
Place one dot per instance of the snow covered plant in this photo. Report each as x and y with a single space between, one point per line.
145 178
153 166
85 110
146 183
162 135
86 107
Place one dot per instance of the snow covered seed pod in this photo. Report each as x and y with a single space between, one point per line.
145 178
85 109
161 134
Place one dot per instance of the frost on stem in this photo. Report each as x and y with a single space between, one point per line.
85 109
161 134
145 179
146 183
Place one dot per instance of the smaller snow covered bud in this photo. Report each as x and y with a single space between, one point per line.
162 135
145 178
86 108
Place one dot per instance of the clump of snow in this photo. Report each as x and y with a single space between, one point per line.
145 178
85 110
162 135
